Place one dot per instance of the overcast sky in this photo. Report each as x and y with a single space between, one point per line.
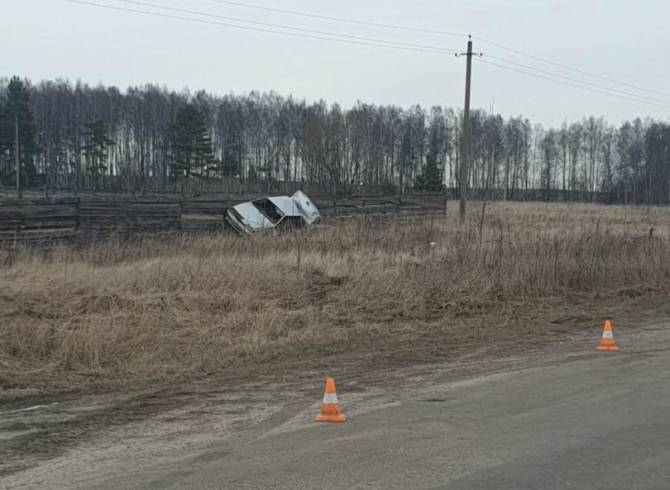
624 40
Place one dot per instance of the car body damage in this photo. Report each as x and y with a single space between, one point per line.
275 212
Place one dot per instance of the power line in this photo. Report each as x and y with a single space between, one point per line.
572 84
438 32
374 42
566 67
634 99
340 19
586 82
342 38
283 26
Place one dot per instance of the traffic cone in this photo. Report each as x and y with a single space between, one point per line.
329 411
607 343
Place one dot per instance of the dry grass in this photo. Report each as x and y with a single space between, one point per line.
130 313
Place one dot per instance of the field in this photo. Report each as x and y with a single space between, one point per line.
124 315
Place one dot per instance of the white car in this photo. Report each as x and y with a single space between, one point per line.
268 213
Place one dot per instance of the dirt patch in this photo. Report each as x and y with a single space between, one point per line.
35 429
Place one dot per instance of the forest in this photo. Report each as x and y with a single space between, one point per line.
73 137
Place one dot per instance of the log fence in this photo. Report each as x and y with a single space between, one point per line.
88 218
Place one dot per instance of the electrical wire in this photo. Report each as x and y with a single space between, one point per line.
283 26
342 38
566 67
339 19
582 87
554 74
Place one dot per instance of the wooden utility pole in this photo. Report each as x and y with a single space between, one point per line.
19 193
465 143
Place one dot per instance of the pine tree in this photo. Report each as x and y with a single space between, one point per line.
430 180
16 108
95 150
5 144
191 144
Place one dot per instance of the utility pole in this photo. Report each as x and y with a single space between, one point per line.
19 194
465 143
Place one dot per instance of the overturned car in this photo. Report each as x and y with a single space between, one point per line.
277 212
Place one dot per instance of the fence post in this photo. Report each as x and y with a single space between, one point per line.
181 214
78 214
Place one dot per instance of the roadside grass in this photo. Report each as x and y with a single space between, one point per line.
126 314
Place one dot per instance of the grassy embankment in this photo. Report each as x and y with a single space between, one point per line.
116 314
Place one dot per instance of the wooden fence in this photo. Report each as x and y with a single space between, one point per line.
37 220
88 218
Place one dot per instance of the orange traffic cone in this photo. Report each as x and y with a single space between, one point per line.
329 411
607 342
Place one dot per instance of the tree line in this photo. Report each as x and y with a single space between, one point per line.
76 137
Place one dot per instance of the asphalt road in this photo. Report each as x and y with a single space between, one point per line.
563 418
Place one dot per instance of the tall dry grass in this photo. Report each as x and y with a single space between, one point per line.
128 313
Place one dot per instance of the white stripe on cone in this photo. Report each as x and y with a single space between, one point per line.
607 334
329 398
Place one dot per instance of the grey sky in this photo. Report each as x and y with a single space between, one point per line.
621 39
